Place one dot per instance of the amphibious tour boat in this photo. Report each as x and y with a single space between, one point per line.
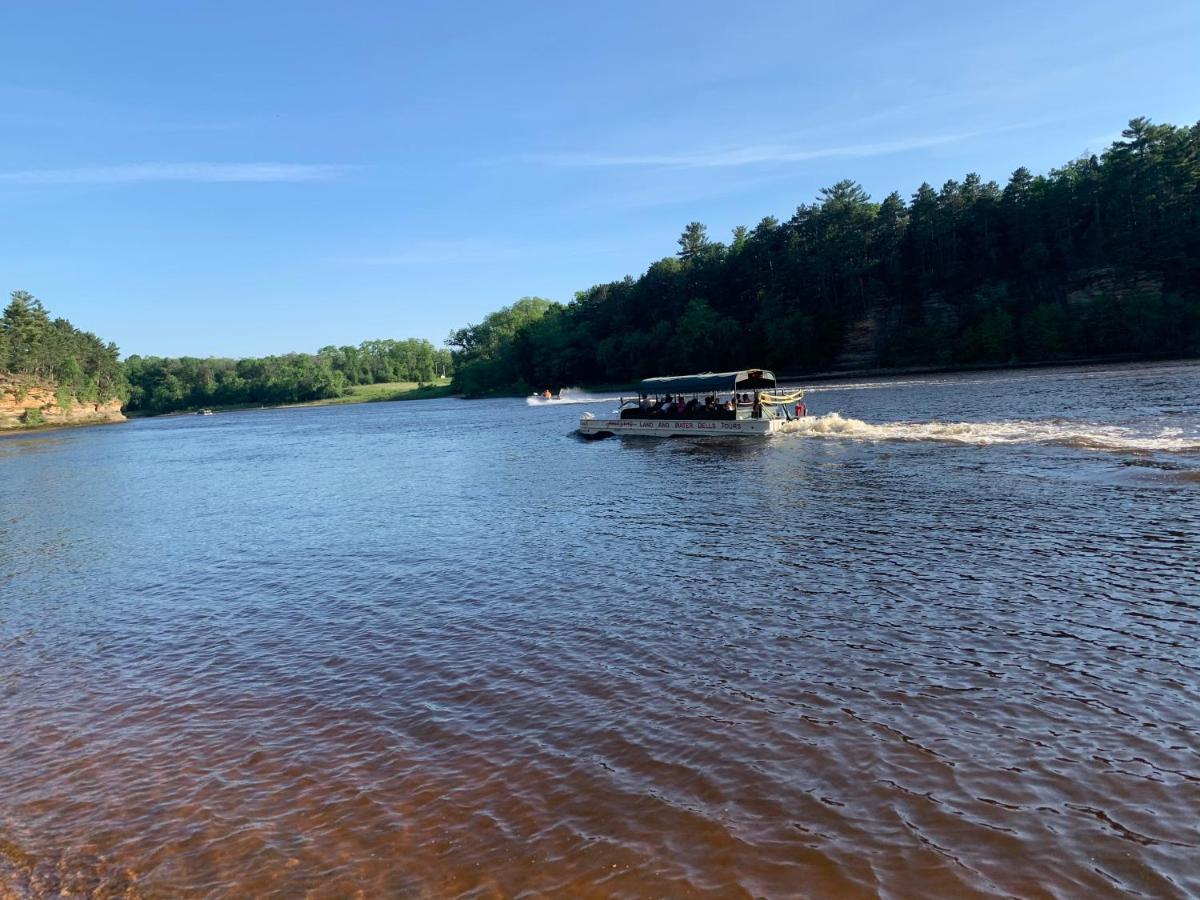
737 403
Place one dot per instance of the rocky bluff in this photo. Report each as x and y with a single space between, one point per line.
25 403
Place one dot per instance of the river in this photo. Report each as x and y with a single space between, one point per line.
942 639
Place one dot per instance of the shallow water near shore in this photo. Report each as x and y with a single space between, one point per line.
943 639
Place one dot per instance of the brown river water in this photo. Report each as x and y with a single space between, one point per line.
943 639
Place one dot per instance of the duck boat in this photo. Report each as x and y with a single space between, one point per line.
747 403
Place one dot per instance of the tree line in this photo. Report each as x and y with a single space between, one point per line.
37 348
158 385
1100 257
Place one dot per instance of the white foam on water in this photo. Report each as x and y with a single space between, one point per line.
868 385
570 396
1072 434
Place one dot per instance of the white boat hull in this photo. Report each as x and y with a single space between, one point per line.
669 427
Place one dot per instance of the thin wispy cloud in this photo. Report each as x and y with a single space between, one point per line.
41 108
757 154
204 173
1101 142
467 251
655 193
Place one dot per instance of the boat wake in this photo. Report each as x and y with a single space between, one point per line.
1083 435
570 396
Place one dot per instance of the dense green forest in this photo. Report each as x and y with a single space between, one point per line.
1100 257
37 348
158 385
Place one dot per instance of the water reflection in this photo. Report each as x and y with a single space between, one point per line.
394 650
16 443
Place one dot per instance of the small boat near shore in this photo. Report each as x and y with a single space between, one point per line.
747 402
545 397
204 412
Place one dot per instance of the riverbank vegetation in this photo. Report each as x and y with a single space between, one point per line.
36 350
1098 258
159 385
390 391
76 366
360 393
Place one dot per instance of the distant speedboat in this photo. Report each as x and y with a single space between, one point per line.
545 397
204 412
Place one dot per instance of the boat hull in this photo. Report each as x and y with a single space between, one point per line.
594 427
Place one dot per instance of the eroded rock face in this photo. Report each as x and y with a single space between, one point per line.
24 403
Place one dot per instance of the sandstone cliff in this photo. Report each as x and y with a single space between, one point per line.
24 404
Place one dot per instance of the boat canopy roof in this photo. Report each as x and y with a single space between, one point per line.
709 382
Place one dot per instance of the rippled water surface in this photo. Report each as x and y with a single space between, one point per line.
946 642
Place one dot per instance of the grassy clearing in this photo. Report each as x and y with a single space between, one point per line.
359 393
389 390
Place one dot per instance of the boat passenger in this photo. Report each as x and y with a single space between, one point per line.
645 404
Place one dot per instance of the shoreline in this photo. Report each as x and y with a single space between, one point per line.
852 374
427 392
1081 362
442 391
58 426
365 394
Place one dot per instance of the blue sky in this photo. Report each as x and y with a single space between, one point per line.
246 178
